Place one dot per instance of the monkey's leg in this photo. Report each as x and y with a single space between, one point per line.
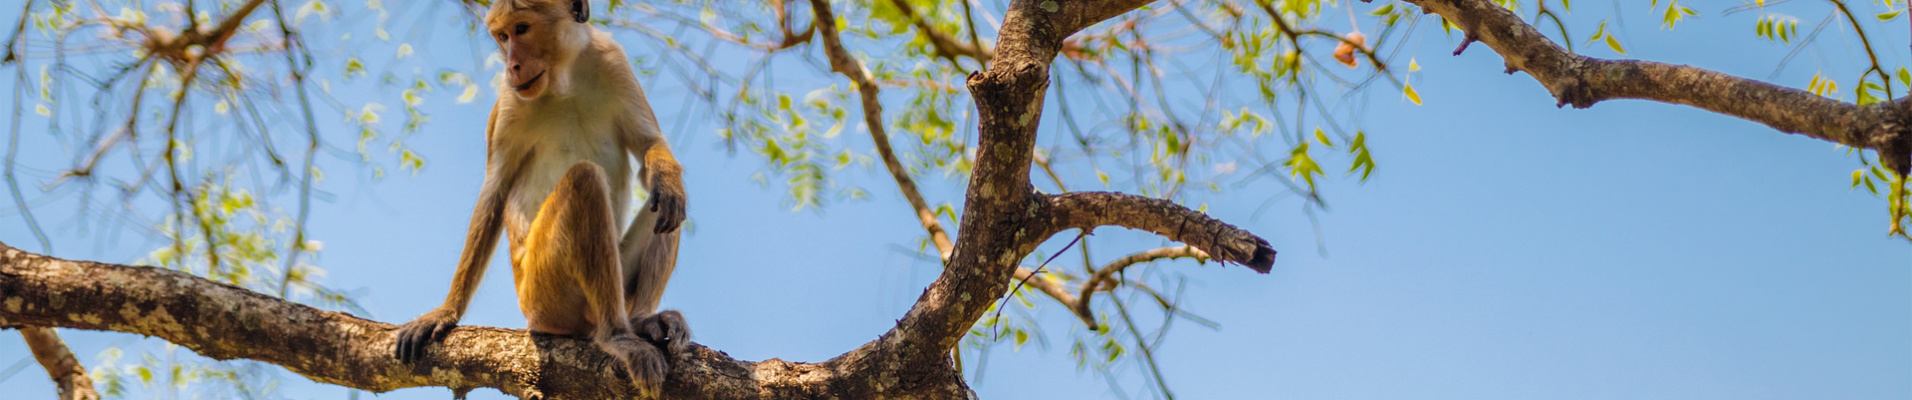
649 258
570 279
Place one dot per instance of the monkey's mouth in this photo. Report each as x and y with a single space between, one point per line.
527 84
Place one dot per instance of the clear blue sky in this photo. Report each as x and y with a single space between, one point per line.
1505 249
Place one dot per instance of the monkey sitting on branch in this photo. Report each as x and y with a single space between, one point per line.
569 117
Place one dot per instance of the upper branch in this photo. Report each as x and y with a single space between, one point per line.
945 44
843 63
1583 81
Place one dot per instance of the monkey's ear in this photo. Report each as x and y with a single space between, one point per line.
581 11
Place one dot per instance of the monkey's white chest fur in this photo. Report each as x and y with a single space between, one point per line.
558 134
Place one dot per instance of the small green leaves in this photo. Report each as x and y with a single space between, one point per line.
1323 138
1822 86
1601 33
1777 28
1362 159
1865 92
1674 13
1408 91
1301 165
1888 16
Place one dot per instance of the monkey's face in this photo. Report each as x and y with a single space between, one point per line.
538 39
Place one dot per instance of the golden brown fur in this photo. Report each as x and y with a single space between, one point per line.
569 118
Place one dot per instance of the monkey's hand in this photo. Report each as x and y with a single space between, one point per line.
667 197
415 336
646 365
666 329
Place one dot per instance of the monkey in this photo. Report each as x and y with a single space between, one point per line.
569 117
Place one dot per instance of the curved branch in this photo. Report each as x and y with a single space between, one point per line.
843 63
227 322
1107 273
1582 81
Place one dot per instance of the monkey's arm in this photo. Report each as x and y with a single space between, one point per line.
481 238
661 176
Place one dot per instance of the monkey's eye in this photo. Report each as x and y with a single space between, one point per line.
519 30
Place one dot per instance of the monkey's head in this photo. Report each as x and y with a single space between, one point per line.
539 40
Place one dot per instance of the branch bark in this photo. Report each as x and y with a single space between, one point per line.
227 322
1219 240
1582 81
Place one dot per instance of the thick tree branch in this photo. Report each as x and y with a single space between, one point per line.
1217 239
69 377
1582 81
227 322
1003 216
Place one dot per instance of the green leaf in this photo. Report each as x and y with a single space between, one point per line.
1615 44
1889 16
1408 90
1323 138
1865 92
1858 175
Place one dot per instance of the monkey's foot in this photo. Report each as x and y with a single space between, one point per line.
414 337
643 361
666 329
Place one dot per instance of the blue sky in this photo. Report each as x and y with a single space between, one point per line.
1505 249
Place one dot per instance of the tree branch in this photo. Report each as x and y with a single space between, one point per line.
1107 273
944 43
69 377
1582 81
227 322
843 63
1217 239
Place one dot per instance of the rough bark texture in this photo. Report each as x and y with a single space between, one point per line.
1582 81
1003 219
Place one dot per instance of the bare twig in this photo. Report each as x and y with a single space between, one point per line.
1107 273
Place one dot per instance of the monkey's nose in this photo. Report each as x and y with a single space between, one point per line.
517 67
